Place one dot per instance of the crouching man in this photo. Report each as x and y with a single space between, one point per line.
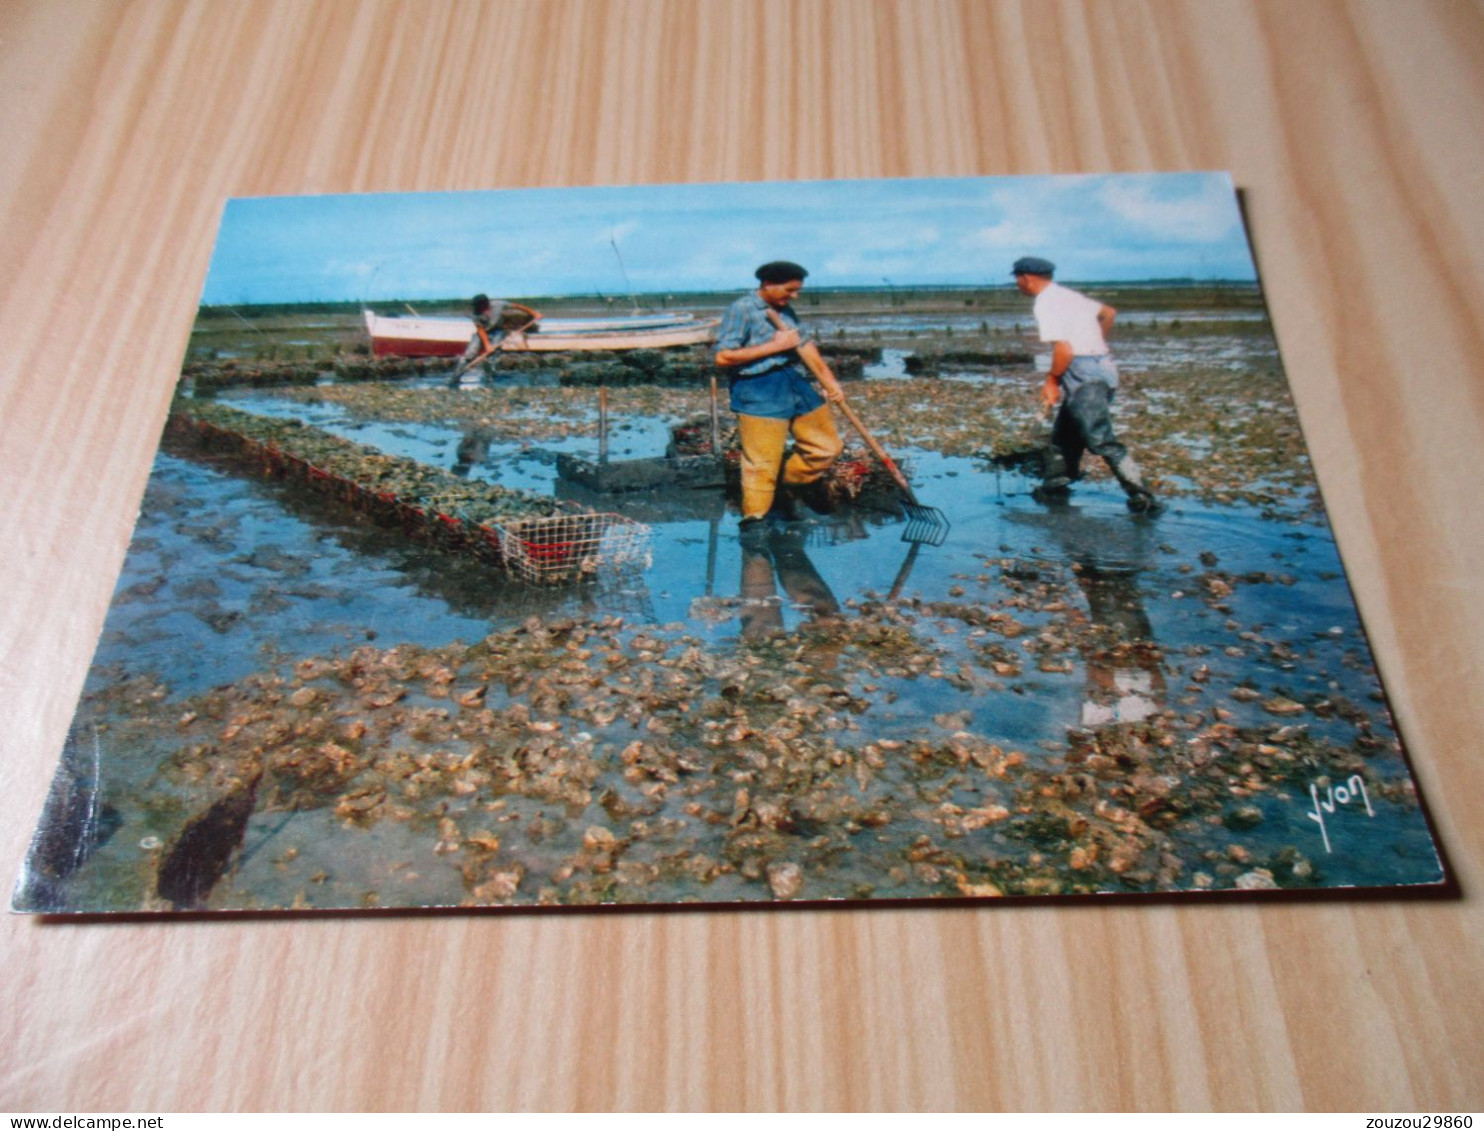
1082 379
772 395
489 335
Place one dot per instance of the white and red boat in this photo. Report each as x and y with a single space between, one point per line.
418 336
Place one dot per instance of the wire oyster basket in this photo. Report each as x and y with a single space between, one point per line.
568 548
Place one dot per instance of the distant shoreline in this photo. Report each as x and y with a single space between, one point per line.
990 296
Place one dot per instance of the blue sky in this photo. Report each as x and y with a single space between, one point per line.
673 238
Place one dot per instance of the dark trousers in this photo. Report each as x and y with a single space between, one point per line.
1083 425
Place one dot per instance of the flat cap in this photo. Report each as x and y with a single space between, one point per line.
780 271
1033 265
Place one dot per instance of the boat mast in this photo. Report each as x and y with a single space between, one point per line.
634 302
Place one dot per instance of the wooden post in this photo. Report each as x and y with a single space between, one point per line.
715 422
602 423
711 558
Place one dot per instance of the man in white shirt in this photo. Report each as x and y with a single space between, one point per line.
1082 379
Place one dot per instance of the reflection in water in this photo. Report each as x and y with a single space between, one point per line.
512 803
1108 555
306 523
473 450
1124 684
780 554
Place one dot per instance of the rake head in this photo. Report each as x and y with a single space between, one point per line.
925 525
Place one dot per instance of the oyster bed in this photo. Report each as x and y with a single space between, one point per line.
1091 706
628 367
1221 437
575 760
411 490
292 706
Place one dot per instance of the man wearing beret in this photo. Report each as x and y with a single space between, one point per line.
772 395
1083 379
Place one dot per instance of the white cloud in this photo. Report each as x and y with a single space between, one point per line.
362 269
1009 235
619 232
548 241
1205 216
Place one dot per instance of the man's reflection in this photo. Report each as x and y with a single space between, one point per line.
1123 664
473 450
777 559
1125 680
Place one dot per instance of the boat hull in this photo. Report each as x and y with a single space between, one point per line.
448 337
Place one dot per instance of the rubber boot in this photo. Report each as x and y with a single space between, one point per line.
1055 475
785 506
1055 488
1140 499
753 533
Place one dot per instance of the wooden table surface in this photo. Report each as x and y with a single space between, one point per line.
1355 132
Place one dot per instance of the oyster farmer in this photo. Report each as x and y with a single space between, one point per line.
773 396
489 333
1083 379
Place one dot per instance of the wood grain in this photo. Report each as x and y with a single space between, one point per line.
1355 132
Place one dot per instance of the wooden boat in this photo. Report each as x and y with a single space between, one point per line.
398 336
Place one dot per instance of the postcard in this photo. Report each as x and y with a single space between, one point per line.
731 544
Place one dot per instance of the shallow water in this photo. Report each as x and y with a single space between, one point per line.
1041 633
229 576
523 465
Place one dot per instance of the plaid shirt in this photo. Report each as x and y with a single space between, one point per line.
746 324
778 385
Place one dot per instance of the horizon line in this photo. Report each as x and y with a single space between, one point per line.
1163 280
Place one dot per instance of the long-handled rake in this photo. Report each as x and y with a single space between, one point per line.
924 524
490 350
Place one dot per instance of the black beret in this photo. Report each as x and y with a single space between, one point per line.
780 271
1033 265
